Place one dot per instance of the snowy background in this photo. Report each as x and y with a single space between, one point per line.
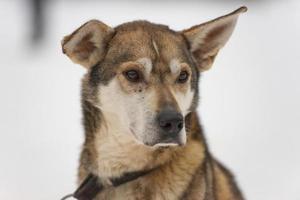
250 99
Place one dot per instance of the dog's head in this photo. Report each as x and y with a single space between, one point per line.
143 76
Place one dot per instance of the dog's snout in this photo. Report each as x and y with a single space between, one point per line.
170 122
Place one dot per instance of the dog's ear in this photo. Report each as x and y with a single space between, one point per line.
207 39
87 45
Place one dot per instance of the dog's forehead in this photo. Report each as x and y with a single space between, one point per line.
142 39
156 46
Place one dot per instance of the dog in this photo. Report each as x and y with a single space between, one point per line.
139 100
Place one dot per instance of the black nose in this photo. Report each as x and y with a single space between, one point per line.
171 122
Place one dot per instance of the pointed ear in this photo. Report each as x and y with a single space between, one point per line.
207 39
87 45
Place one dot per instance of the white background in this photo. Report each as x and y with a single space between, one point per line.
250 99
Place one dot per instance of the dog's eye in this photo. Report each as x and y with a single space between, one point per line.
132 75
183 77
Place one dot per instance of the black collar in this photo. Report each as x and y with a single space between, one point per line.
91 185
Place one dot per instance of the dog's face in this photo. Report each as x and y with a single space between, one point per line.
143 76
151 82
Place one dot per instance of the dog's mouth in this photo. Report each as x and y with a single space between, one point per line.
162 142
169 142
166 143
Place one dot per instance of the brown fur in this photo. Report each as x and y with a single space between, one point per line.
182 172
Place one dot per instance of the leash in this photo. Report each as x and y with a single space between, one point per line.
91 186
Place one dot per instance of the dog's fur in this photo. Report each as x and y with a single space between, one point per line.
121 133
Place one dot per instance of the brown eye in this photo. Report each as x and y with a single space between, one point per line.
132 75
183 77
